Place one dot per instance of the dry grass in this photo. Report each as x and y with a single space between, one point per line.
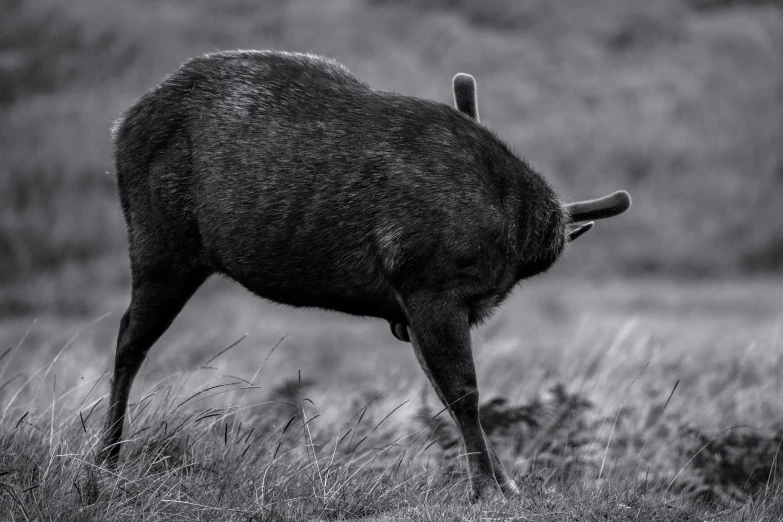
640 411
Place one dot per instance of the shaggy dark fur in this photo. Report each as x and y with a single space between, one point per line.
293 177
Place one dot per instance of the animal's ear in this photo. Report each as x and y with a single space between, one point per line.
465 95
575 231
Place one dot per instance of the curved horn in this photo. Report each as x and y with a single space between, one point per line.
605 207
465 95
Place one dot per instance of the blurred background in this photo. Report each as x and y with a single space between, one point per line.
678 101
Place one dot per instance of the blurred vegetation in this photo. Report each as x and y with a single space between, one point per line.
678 101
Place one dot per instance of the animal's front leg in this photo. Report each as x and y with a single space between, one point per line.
440 335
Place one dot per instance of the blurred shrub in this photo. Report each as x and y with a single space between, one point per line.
733 465
551 431
723 4
497 14
50 217
42 50
559 433
57 203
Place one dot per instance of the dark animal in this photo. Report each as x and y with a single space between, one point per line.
290 175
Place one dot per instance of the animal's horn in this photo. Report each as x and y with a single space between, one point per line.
605 207
465 95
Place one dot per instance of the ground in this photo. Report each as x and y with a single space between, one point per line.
615 396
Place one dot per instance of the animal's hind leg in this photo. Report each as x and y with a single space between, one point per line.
157 297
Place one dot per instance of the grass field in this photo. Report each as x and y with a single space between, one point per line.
638 380
629 399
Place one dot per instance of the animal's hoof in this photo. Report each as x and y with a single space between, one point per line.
400 331
487 491
510 488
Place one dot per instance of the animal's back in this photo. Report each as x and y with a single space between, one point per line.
301 182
